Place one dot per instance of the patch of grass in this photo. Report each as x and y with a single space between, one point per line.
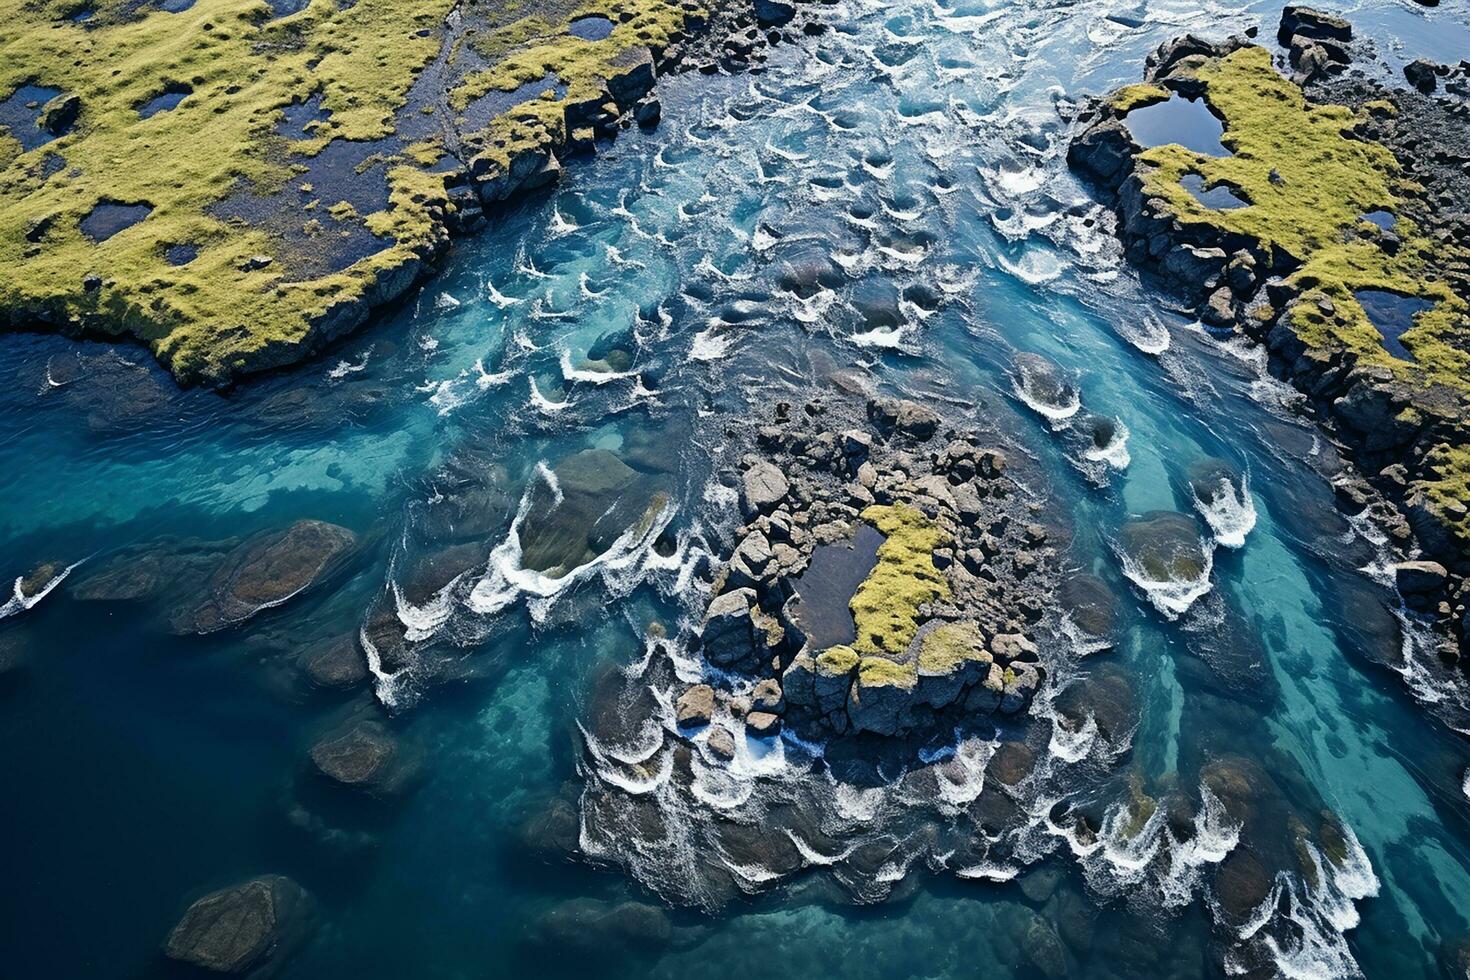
1131 97
221 315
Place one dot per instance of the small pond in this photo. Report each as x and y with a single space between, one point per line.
21 111
593 27
166 100
1385 220
1221 197
110 217
1392 314
828 584
1187 122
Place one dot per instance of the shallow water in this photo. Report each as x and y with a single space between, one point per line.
920 146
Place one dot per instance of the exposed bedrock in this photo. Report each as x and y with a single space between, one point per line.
245 930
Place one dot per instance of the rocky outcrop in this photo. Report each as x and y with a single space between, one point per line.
246 930
885 578
364 755
264 572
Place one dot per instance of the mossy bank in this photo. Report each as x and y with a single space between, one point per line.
1294 230
235 185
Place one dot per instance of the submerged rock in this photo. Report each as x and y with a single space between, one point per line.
336 664
364 756
1165 546
598 497
266 571
602 928
245 930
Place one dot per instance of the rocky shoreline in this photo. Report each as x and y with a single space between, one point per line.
1264 246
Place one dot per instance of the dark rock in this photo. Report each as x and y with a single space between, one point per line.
900 415
1315 24
336 664
1420 73
1420 577
1166 546
266 571
1241 884
244 930
588 926
600 498
773 13
1090 603
364 756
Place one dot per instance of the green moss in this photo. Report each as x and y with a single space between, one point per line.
882 672
837 661
886 606
1310 176
1310 180
949 647
1131 97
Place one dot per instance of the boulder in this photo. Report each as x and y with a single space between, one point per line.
762 724
364 756
773 13
900 415
266 571
763 488
695 706
1311 23
1420 577
598 497
589 926
721 743
245 930
336 664
1420 73
1166 546
728 633
767 696
1090 603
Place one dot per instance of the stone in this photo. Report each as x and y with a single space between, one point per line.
1090 604
764 487
1021 683
1311 23
1011 647
1219 309
599 498
762 724
1420 73
266 571
590 926
1420 577
898 415
695 706
364 756
728 631
767 696
773 13
721 743
337 664
243 930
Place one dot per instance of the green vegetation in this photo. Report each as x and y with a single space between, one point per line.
1310 180
886 606
950 646
1131 97
222 313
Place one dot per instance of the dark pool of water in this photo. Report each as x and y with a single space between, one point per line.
1187 122
1384 220
164 101
827 587
1220 197
593 27
181 254
20 111
1392 314
110 217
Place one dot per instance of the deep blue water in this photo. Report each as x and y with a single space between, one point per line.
919 144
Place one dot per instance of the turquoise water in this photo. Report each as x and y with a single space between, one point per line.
919 147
